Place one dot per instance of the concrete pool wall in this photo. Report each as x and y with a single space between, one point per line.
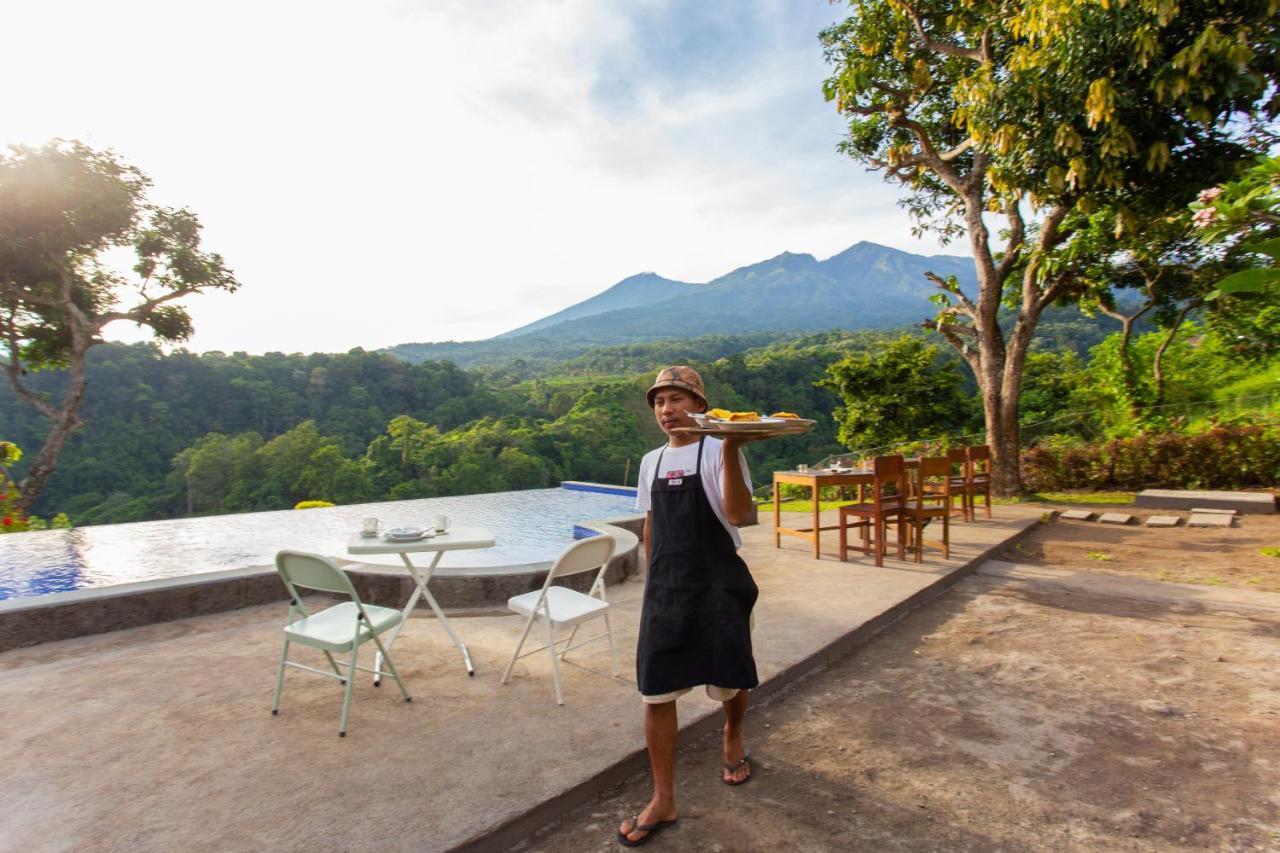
63 615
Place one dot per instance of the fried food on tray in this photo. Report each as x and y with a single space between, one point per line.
744 417
720 414
790 415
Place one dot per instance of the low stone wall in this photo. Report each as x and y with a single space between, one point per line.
63 615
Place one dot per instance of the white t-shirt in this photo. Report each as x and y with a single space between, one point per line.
686 459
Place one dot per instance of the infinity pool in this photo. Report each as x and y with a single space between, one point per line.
529 527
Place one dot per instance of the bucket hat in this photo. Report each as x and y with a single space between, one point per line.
679 376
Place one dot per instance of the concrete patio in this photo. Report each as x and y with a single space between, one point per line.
160 737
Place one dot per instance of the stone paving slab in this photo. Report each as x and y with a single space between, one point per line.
1205 519
1163 521
1213 511
1077 515
1255 502
147 739
1115 518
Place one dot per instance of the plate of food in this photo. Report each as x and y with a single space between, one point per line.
723 420
407 534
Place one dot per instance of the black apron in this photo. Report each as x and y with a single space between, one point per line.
695 626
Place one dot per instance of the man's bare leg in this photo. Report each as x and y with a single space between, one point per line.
660 728
735 711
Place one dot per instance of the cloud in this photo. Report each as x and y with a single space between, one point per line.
445 169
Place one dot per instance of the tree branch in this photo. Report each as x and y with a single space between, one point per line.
971 355
978 54
948 156
22 294
139 313
1017 236
13 369
966 306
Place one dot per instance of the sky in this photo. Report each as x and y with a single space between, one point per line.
394 171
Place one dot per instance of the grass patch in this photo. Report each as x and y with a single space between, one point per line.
1083 498
1268 551
1100 555
802 505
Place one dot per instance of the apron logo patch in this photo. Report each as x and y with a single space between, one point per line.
675 477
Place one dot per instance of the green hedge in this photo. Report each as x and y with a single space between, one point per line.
1224 456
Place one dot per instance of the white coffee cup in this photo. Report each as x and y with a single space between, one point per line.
370 527
441 523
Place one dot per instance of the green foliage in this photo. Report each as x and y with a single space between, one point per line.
1049 382
13 519
907 391
1222 456
1242 219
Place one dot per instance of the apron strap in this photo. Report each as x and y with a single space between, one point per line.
697 466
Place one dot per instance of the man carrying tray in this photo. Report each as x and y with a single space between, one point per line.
695 626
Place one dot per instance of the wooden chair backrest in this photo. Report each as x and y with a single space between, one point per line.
888 470
934 466
980 458
888 467
934 471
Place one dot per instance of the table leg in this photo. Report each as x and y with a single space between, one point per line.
777 515
817 525
420 590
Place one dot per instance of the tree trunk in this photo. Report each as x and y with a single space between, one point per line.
1129 376
1128 379
66 420
1157 363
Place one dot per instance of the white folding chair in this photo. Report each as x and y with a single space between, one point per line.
342 628
560 606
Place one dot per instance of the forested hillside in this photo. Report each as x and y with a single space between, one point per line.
179 434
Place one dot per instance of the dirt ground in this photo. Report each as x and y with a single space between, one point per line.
1229 557
1007 716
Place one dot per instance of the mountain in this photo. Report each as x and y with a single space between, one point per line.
865 286
634 292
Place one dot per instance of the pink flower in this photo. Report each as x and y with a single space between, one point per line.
1203 217
1207 196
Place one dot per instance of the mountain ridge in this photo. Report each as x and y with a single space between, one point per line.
864 286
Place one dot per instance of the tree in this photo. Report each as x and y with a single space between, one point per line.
63 208
906 392
1164 270
1241 220
1043 112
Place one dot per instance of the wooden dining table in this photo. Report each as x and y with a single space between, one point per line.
816 480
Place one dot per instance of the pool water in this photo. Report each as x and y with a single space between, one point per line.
528 526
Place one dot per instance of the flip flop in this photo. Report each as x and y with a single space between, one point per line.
734 768
651 829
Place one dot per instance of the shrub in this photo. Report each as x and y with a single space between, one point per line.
1222 456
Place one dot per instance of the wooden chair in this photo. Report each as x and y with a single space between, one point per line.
979 478
958 484
888 471
931 498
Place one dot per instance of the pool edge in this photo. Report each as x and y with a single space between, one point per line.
77 613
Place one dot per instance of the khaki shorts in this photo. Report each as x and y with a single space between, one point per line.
715 694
